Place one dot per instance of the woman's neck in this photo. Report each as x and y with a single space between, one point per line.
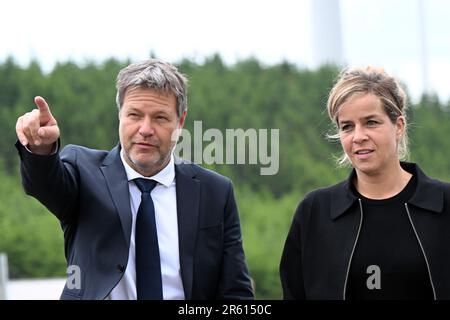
382 186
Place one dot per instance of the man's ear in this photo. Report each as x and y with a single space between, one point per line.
182 119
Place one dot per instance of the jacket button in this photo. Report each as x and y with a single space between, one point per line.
120 268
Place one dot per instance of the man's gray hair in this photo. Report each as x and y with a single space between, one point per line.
153 74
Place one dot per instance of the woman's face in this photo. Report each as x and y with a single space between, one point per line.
368 136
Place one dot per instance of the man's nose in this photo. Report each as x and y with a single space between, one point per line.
146 128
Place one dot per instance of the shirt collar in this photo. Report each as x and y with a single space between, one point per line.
165 177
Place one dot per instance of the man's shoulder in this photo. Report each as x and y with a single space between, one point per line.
73 151
196 171
82 149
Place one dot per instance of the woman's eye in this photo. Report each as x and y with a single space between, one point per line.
346 127
372 122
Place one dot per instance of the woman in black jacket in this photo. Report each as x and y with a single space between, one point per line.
384 233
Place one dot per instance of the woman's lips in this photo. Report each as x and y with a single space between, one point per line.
363 153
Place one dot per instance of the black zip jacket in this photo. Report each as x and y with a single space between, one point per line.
319 247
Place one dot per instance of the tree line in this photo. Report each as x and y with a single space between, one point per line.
246 95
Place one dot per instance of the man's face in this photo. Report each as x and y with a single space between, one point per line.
147 121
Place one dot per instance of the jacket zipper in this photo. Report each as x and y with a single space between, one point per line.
353 250
423 251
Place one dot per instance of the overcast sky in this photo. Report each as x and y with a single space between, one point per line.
376 32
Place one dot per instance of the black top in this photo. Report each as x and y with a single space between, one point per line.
388 262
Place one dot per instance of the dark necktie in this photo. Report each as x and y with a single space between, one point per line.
148 268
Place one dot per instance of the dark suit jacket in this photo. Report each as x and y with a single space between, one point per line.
87 190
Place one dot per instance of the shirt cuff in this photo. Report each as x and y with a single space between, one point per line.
54 150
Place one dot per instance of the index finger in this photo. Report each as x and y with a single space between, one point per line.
43 106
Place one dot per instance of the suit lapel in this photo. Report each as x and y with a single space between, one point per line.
188 199
117 182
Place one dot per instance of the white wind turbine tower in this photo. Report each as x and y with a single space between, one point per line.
423 46
327 32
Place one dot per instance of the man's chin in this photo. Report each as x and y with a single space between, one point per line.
146 163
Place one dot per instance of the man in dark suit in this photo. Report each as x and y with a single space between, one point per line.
100 199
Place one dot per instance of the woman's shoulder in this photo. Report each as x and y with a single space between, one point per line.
325 193
428 182
445 186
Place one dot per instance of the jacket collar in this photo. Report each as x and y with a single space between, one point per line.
117 182
188 209
429 194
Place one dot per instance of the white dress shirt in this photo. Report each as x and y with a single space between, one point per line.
165 202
